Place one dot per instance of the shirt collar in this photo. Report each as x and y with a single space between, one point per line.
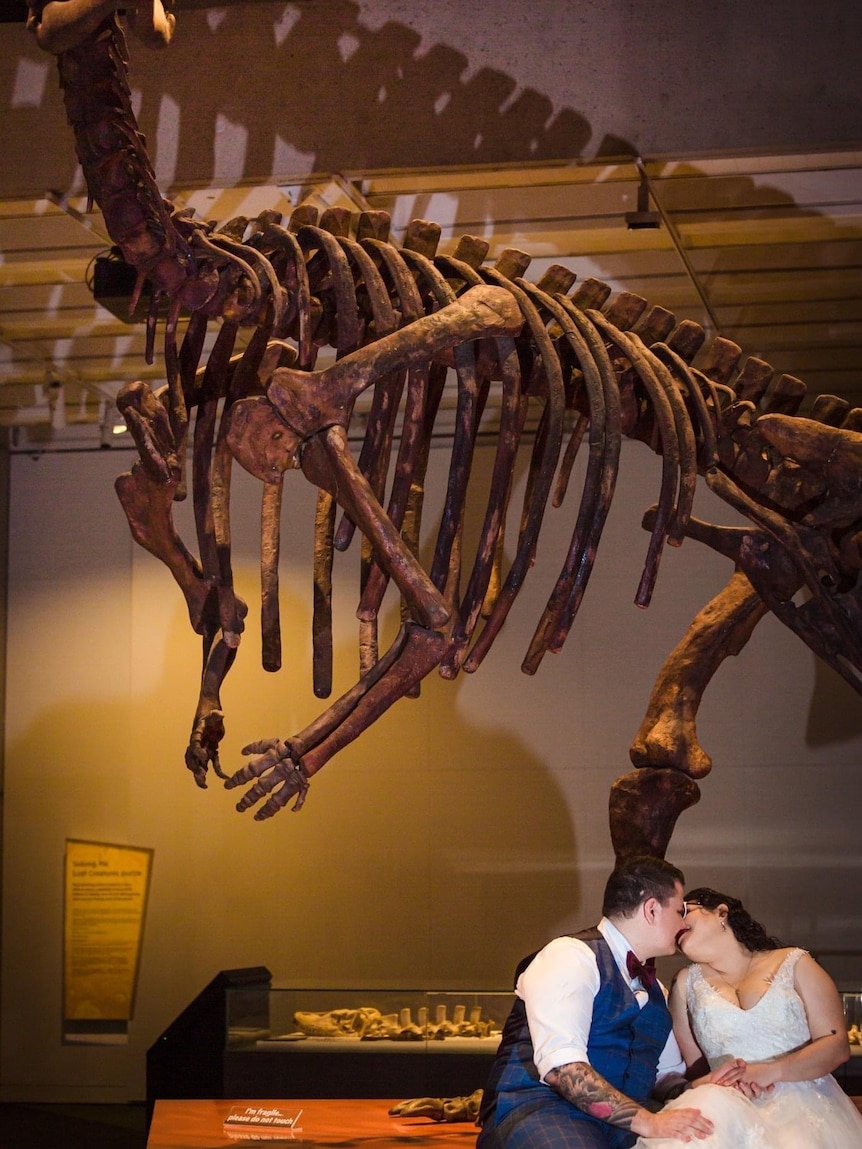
618 944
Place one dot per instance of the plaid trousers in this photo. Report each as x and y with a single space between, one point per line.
551 1123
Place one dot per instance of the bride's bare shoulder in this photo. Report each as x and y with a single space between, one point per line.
679 981
796 952
778 959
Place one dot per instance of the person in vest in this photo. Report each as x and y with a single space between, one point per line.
587 1055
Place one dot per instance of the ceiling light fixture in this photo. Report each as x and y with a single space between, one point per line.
643 218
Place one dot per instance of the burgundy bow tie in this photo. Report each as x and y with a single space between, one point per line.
643 970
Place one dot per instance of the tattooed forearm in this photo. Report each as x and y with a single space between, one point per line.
579 1083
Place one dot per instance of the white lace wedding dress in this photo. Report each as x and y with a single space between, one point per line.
794 1115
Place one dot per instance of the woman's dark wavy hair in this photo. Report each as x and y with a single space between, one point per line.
746 930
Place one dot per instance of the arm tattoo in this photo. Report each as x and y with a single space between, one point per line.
579 1083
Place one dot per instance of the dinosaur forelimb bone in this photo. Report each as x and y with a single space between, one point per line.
447 1109
283 769
309 401
148 504
327 462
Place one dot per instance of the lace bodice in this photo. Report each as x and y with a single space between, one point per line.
773 1026
814 1114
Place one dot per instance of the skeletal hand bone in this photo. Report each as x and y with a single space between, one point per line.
272 758
202 750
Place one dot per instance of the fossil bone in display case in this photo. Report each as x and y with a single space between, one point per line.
853 1015
363 1043
849 1075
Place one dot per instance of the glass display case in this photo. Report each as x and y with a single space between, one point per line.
330 1020
849 1075
242 1037
361 1043
852 1001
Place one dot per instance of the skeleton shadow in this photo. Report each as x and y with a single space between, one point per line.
323 85
312 91
337 93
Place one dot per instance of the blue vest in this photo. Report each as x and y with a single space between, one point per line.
624 1045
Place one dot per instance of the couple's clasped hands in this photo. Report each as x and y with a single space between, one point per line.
751 1079
690 1125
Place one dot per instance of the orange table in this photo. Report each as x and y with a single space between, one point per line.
346 1123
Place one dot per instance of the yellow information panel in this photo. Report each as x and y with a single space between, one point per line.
105 905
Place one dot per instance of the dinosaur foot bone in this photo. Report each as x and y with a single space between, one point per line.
644 807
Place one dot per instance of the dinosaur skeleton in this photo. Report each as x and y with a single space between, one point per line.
400 320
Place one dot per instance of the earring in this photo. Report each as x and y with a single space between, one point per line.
723 923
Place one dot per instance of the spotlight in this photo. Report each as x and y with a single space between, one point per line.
57 404
113 285
643 218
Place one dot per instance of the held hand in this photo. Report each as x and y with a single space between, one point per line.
684 1124
758 1078
730 1073
750 1090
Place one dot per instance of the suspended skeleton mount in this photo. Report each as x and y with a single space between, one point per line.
585 369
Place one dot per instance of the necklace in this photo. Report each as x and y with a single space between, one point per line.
730 985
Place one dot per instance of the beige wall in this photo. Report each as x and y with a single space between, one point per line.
253 90
466 828
469 826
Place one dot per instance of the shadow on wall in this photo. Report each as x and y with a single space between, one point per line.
334 85
311 89
314 87
416 832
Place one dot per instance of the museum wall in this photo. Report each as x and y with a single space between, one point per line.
469 825
461 832
259 90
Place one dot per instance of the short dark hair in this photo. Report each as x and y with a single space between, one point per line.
635 880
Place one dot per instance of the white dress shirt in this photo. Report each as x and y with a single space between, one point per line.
558 988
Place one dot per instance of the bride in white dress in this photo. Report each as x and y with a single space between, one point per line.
747 997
